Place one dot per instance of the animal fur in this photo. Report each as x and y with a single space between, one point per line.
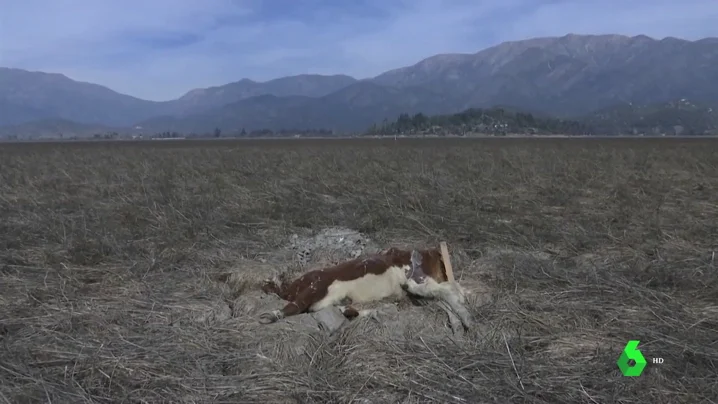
389 274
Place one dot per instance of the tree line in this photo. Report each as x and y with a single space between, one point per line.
665 121
243 133
494 121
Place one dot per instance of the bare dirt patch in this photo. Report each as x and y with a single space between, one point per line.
130 273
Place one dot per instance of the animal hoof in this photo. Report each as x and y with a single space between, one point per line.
467 324
267 318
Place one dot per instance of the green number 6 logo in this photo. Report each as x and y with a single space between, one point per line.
631 352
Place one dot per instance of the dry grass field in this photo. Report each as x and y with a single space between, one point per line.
129 271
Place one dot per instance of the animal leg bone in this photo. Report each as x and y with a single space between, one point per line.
455 299
454 321
448 292
271 317
299 305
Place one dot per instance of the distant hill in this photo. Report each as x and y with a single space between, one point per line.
571 76
307 85
680 117
26 96
349 109
55 129
11 113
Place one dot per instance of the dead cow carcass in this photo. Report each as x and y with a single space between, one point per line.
389 274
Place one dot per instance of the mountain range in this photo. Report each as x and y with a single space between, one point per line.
568 76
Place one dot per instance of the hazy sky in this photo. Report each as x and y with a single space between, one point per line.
160 49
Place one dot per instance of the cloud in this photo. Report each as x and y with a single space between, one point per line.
160 49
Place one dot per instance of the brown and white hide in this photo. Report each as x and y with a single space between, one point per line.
388 274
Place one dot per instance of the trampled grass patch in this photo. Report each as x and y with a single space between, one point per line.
112 256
